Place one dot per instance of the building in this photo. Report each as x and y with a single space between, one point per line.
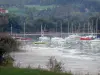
3 11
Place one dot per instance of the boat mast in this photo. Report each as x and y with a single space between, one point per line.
42 34
84 28
24 30
61 29
72 28
56 29
68 28
79 28
88 28
11 30
91 28
96 27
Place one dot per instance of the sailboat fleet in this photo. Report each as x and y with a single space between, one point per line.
71 39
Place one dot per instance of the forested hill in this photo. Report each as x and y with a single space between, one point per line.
90 4
48 1
49 13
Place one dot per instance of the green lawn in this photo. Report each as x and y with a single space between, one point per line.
18 71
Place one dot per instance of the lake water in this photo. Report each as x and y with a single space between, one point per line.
79 57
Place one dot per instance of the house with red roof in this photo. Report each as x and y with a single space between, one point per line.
3 11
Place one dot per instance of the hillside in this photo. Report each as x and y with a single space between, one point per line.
93 5
50 12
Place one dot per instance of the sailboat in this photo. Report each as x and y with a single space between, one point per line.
73 36
96 41
42 39
90 36
14 37
19 38
58 41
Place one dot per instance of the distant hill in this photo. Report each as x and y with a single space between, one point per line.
92 5
48 2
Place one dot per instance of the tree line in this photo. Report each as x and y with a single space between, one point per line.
50 24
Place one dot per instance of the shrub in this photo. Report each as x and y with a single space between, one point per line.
7 45
54 65
7 61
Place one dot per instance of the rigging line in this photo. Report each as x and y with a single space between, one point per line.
81 1
75 1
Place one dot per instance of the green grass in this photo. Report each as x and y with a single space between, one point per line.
20 71
39 7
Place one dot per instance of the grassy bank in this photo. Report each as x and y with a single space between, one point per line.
22 71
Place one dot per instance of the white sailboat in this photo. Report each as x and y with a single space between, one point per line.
90 35
24 38
42 39
91 39
58 41
73 36
96 41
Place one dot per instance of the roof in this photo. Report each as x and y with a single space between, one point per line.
3 10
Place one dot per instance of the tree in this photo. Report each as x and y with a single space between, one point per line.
7 45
